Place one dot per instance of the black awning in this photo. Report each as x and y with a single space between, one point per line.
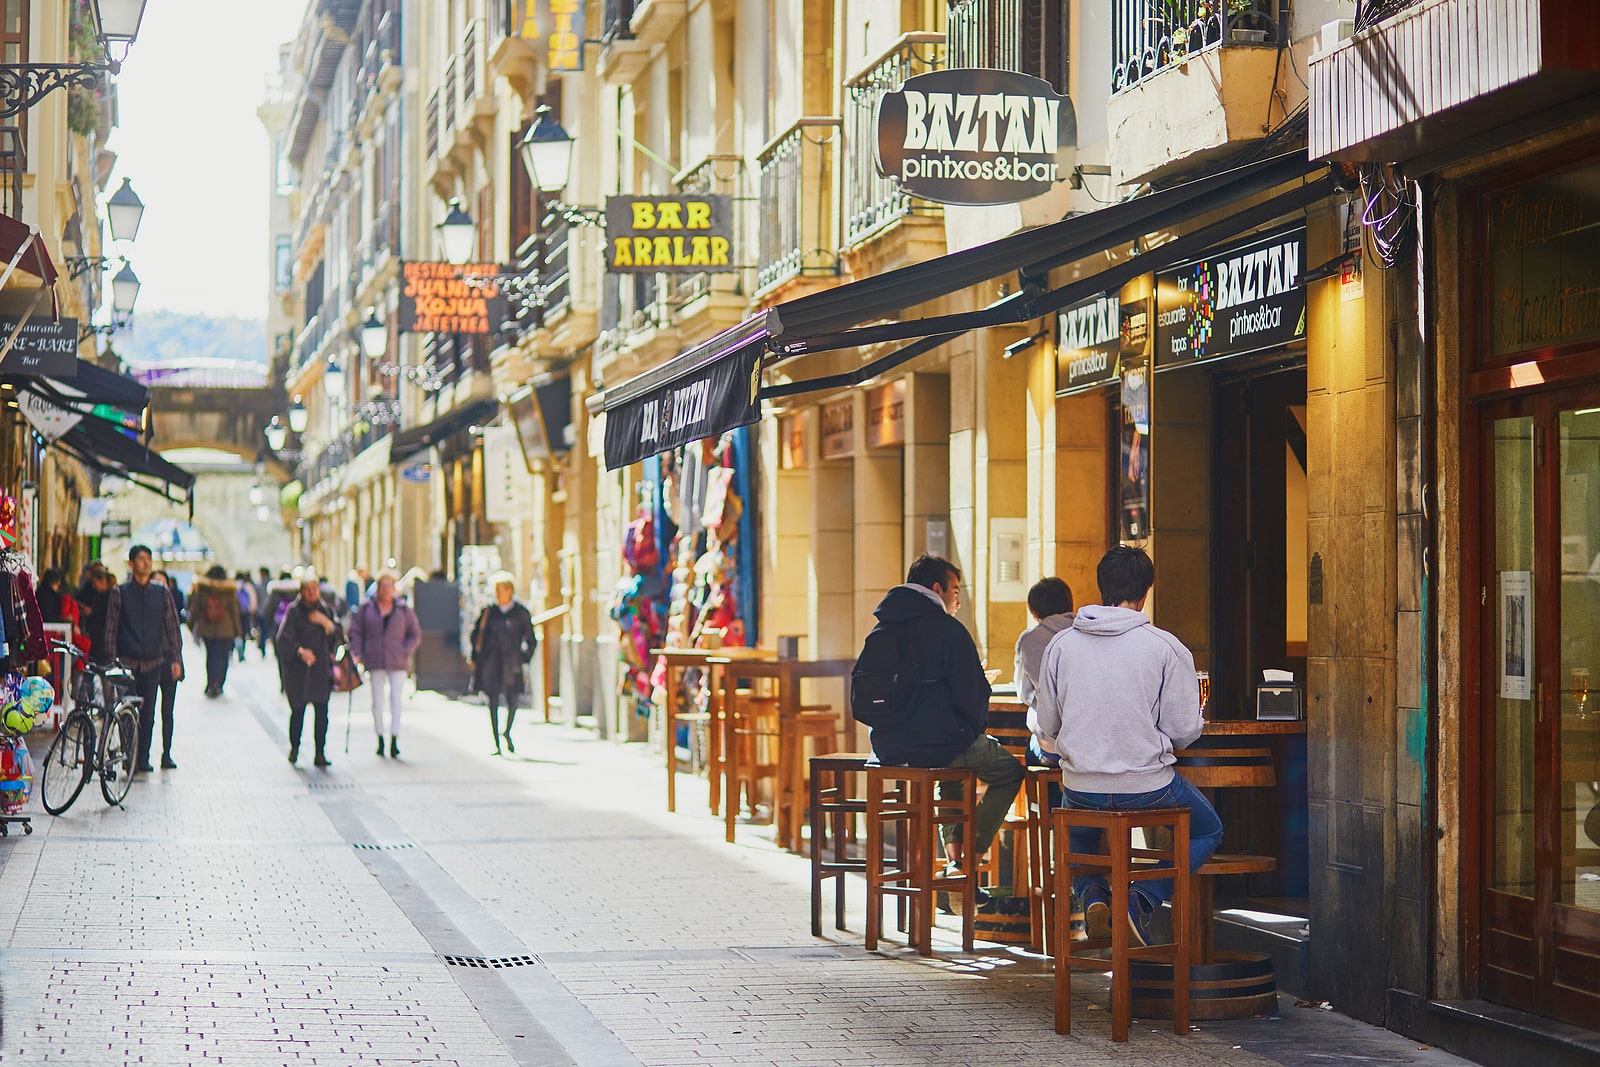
104 447
1034 253
90 387
408 443
715 391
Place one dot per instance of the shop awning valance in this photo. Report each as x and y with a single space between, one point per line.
408 443
104 447
22 248
91 388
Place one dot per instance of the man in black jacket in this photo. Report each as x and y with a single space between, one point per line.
947 723
142 631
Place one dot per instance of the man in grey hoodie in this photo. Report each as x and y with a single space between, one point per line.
1117 695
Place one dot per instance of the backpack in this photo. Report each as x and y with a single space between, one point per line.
885 679
214 611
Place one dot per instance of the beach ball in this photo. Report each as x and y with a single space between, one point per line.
37 696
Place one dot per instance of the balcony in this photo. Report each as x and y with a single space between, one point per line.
477 108
380 75
722 175
621 57
430 125
1190 82
797 223
447 101
873 203
13 165
1441 71
654 21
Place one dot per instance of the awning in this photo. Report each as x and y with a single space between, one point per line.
100 445
22 248
91 388
408 443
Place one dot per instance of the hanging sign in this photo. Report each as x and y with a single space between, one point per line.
41 347
886 415
49 419
417 472
1241 299
92 515
975 136
452 298
557 28
838 430
718 397
1089 344
508 487
669 234
116 529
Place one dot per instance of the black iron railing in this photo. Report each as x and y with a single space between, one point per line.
469 66
985 33
1147 36
872 201
447 99
615 17
724 175
13 165
797 231
430 124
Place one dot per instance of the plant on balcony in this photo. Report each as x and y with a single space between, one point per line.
83 105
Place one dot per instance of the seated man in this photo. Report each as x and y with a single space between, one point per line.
944 722
1118 695
1050 604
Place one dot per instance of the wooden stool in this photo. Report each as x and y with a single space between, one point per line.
1041 892
905 797
834 807
818 724
751 747
1120 870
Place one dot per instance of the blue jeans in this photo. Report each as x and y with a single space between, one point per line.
1205 831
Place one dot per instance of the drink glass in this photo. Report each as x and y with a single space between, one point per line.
1580 690
1204 680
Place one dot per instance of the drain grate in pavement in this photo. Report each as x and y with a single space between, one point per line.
383 848
321 786
490 962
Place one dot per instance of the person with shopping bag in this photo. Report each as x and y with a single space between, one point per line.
306 643
383 635
503 642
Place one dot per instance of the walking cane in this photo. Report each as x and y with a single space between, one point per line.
349 711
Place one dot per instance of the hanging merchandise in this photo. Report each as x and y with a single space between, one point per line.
23 640
16 776
637 605
8 520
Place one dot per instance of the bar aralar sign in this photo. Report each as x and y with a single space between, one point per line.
975 136
452 297
669 234
716 398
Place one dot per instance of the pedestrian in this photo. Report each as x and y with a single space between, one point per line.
214 618
169 684
944 720
1117 695
306 643
58 605
93 609
503 641
247 611
383 634
141 626
263 619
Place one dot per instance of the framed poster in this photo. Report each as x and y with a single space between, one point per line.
1134 474
1516 635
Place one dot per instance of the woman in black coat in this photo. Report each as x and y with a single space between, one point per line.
305 647
502 642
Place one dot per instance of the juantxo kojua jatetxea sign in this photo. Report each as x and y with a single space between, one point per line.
1248 297
975 136
669 234
452 297
716 398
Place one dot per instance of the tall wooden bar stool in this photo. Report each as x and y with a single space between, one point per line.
752 750
905 798
818 725
835 803
1041 891
1124 865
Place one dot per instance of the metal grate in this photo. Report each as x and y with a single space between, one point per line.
490 962
330 785
382 848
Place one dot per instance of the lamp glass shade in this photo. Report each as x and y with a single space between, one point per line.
547 153
374 337
457 234
333 380
263 513
277 434
123 211
124 290
258 495
299 417
118 20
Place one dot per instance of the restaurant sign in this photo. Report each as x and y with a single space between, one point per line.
669 234
555 28
975 136
719 396
1544 246
1088 344
886 415
40 347
452 298
1245 298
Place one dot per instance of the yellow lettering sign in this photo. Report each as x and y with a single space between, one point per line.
699 215
644 215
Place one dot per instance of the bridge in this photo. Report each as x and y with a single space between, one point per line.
215 404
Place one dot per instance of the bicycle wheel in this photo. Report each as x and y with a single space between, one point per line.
66 765
120 749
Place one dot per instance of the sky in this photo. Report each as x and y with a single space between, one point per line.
198 156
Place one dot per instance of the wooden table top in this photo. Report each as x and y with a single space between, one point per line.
1213 727
701 655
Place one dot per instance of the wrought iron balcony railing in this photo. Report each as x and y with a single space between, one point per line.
430 124
723 175
797 221
872 201
1147 36
615 19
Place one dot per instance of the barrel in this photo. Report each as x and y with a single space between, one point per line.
1004 920
1222 762
1237 985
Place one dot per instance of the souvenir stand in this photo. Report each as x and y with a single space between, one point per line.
24 701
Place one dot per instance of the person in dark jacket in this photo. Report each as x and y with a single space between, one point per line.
502 642
93 604
142 631
947 723
215 618
169 684
383 635
305 645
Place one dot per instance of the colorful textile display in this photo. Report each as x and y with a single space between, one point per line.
16 775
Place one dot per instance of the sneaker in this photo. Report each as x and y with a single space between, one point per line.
322 761
1139 922
979 895
167 764
1097 912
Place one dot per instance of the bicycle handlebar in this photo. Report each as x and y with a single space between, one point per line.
81 657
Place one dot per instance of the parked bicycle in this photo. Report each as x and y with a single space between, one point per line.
99 737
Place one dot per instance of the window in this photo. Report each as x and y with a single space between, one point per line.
1026 36
284 171
14 31
283 264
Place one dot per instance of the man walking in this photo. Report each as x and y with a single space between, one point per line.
945 721
142 631
1117 695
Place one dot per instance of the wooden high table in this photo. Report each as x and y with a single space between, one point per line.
788 674
679 661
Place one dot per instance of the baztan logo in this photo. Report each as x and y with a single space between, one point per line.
975 136
1088 332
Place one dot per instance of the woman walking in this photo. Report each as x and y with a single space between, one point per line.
214 618
502 642
383 635
305 645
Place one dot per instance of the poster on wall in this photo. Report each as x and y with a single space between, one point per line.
1243 298
1516 635
1134 474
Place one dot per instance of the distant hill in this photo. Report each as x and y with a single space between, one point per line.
168 335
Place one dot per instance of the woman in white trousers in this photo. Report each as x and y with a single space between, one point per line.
383 635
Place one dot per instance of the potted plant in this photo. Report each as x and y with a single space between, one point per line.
1247 23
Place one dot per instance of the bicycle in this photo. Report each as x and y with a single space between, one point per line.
77 753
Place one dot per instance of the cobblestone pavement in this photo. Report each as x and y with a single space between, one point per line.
240 910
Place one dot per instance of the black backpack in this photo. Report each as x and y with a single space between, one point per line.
885 679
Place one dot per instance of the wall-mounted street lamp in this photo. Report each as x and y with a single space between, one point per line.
374 336
547 156
277 434
116 22
299 417
457 234
333 379
124 211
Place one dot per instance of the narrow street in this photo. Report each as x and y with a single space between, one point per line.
245 911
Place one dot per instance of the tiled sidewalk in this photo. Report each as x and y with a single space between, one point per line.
241 910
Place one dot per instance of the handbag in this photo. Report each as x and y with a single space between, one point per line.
346 675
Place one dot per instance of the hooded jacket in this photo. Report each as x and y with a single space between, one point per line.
1118 695
953 712
225 593
1030 657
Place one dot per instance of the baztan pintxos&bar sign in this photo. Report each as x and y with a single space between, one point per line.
1247 297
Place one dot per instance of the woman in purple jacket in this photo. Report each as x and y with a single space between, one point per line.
383 635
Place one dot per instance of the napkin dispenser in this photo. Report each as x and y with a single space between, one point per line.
1278 698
